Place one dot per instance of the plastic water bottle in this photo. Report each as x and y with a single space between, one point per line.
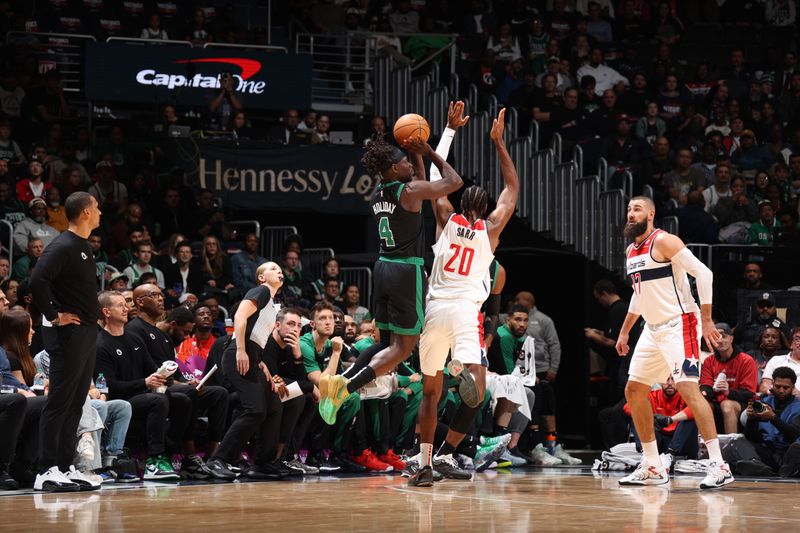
550 444
38 380
101 384
721 377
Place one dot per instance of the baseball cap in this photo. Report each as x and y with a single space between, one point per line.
724 328
118 275
102 164
749 133
766 298
37 201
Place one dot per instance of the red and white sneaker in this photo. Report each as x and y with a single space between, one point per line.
646 474
391 458
718 475
368 460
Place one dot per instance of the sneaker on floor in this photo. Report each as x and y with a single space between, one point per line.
448 467
391 458
298 467
283 469
492 441
667 459
347 464
325 466
86 447
488 453
516 452
159 468
753 467
54 481
467 388
561 454
107 476
127 477
496 465
368 460
422 478
790 467
646 474
264 472
412 467
6 481
515 460
542 458
718 475
85 480
465 461
193 467
219 469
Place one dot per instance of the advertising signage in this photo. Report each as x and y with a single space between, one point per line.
162 74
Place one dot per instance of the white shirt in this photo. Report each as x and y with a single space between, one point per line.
711 195
606 77
778 361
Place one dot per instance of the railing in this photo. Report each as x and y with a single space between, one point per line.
577 156
269 48
438 102
272 238
138 40
556 143
612 243
361 276
670 224
702 251
543 162
520 150
315 258
10 246
59 51
647 190
587 216
563 201
534 135
602 170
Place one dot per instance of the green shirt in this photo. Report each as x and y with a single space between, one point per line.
761 234
313 361
509 347
363 344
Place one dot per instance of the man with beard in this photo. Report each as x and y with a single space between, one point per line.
159 339
658 264
764 314
284 361
192 353
34 225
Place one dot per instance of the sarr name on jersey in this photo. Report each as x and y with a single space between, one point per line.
465 233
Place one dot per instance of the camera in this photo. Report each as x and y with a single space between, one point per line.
758 407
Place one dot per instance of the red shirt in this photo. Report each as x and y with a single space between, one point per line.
665 406
24 192
740 373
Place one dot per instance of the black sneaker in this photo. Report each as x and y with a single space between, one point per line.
448 467
516 452
285 471
265 472
423 478
348 465
753 467
193 467
412 467
467 388
790 467
324 466
6 481
220 470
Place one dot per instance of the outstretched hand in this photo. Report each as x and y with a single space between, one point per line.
455 116
499 126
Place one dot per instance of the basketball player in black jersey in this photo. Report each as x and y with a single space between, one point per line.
399 278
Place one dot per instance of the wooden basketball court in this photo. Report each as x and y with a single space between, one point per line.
526 500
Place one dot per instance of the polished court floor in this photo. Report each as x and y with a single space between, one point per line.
519 501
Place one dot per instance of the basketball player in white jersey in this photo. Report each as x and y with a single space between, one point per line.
458 285
657 265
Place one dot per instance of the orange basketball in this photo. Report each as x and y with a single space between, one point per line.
411 126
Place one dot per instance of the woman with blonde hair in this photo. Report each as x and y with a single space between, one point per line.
216 264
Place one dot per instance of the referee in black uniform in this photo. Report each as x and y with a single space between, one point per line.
64 289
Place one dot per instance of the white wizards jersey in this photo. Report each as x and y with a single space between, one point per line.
661 288
462 257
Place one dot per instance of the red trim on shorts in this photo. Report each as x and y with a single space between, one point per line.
480 330
689 336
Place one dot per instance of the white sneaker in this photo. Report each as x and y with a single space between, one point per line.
717 475
561 454
666 460
515 461
85 480
86 447
54 481
542 458
646 474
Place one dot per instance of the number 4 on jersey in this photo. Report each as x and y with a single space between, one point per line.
385 232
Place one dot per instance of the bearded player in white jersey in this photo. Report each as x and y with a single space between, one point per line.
657 265
458 285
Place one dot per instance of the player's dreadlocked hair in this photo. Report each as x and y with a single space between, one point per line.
379 155
474 201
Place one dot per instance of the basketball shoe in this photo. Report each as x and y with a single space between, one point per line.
718 475
646 474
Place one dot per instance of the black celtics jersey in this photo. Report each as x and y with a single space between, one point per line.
400 231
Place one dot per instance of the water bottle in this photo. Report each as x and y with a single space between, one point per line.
38 380
721 377
101 384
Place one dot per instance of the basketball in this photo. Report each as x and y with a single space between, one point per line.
411 126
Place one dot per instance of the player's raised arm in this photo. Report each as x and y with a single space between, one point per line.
415 192
507 202
671 248
442 207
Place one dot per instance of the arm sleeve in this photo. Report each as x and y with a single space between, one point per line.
493 305
705 278
443 150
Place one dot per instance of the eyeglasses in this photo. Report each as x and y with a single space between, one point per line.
795 339
156 295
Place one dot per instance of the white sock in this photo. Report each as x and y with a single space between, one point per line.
426 454
650 452
714 453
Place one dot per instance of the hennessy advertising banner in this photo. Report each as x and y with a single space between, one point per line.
326 179
161 74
